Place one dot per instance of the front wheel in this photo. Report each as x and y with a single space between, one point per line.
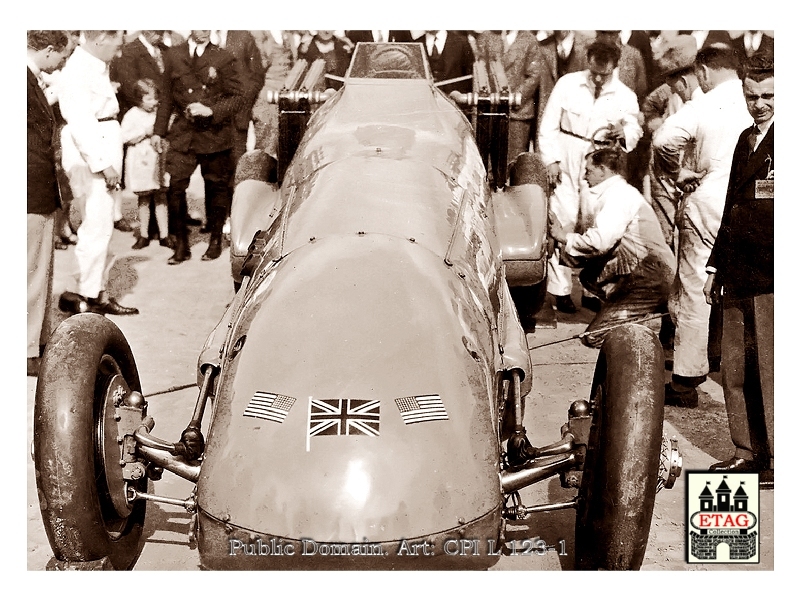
618 487
86 370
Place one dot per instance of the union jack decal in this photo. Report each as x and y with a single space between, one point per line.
269 406
417 409
344 416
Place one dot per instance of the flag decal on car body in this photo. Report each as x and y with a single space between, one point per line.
344 416
417 409
269 406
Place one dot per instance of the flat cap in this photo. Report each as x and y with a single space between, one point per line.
678 54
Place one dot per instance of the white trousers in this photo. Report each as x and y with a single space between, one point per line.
92 252
688 307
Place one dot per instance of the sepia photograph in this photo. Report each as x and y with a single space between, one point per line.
400 300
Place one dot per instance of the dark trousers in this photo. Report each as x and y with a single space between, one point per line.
216 170
748 376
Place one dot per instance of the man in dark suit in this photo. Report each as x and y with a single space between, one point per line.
741 275
752 42
47 51
205 92
242 45
450 56
377 35
139 59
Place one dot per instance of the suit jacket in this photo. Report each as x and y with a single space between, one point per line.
743 253
365 35
632 72
455 60
134 63
213 80
43 196
243 46
523 63
767 46
577 62
336 61
641 41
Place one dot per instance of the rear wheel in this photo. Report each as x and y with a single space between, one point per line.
86 370
618 487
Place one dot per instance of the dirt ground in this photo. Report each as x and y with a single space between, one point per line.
180 305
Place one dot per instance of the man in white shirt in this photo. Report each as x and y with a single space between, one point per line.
580 105
625 260
92 159
711 123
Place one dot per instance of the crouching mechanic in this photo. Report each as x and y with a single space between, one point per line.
624 258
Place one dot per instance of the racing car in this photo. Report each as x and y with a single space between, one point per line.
363 394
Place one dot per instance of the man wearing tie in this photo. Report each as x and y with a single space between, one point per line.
204 91
47 50
741 276
450 57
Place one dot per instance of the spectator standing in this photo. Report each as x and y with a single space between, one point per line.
46 51
144 167
92 157
523 62
580 105
332 50
242 45
624 258
741 275
205 92
712 123
450 56
141 58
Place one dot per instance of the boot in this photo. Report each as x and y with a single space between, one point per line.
182 252
216 220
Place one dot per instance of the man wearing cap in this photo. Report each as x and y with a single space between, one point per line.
712 123
741 275
581 105
624 258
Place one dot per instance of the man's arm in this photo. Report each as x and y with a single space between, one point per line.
232 98
609 226
671 139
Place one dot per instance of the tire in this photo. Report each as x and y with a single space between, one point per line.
618 486
529 299
76 455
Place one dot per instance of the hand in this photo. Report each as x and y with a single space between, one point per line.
554 174
616 131
157 142
556 230
112 178
688 180
198 109
711 290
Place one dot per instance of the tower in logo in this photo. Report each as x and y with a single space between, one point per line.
723 517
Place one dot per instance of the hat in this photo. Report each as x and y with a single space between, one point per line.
678 54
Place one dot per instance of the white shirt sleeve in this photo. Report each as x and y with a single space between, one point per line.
671 139
610 225
549 128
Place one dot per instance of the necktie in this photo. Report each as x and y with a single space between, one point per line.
434 49
159 59
752 138
562 52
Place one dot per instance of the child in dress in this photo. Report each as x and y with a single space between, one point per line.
144 167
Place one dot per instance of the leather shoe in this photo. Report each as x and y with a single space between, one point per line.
34 362
564 304
766 479
181 255
214 250
72 303
123 225
166 242
142 242
592 304
109 306
673 397
735 465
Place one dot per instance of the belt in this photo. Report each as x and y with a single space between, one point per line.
580 137
106 119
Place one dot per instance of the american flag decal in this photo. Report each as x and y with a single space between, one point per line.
416 409
269 406
344 416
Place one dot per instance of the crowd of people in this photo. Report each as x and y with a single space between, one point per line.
658 148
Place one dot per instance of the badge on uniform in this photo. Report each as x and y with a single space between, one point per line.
765 188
